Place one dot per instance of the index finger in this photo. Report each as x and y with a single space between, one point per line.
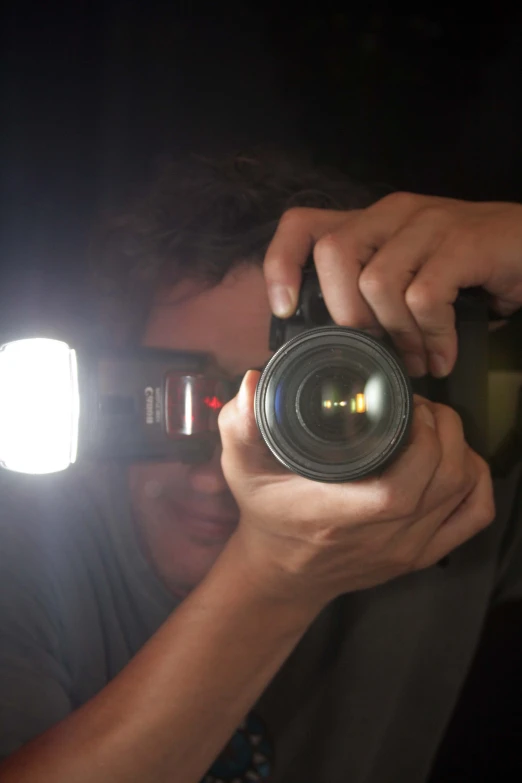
298 231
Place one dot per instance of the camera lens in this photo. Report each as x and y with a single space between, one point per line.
334 404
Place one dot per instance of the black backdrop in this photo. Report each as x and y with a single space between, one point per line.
94 93
416 96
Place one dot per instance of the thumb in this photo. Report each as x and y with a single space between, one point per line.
244 401
243 446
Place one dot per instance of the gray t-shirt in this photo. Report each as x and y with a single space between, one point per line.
366 695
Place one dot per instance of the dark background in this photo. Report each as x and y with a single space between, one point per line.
415 96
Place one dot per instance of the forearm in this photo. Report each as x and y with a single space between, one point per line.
170 712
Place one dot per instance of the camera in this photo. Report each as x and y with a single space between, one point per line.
334 404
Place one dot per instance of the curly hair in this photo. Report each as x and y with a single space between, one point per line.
199 219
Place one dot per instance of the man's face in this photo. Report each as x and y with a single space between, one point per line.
185 514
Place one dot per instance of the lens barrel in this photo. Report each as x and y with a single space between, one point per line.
334 404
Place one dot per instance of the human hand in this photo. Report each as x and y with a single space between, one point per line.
400 264
306 541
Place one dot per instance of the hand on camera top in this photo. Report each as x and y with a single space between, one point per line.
309 542
399 264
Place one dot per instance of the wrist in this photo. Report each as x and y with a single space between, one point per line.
265 583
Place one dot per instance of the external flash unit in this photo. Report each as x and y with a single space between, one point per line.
58 405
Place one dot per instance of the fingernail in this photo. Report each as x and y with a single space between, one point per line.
427 416
281 301
415 365
242 395
438 365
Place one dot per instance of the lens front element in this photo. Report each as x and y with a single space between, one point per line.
333 404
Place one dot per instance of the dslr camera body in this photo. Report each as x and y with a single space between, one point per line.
334 404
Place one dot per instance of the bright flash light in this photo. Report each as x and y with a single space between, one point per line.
375 396
327 403
39 406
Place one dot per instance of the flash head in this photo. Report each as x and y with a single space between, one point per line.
59 404
39 405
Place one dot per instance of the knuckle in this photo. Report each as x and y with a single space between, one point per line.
373 283
421 297
482 466
401 200
405 558
455 480
294 217
430 558
327 247
452 417
481 514
433 214
485 515
393 502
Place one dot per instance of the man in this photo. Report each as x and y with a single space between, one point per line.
235 621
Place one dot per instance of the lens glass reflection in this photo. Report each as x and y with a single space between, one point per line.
333 404
338 405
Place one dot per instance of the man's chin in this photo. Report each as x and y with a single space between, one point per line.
183 564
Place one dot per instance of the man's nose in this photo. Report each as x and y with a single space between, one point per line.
207 477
